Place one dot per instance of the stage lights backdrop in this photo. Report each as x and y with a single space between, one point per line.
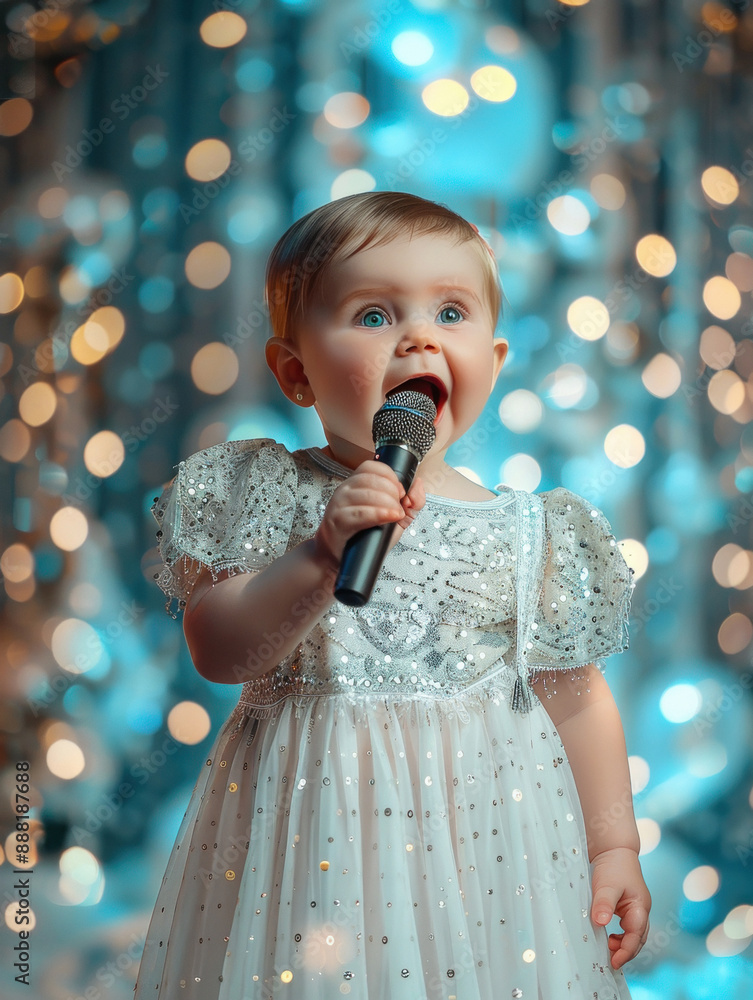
152 153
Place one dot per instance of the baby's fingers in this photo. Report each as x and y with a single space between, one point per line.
635 932
416 495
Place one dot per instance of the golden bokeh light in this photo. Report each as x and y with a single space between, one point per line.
735 633
721 297
110 320
445 97
588 317
720 185
37 404
574 3
662 376
730 565
15 440
624 446
656 255
494 83
717 347
188 722
69 528
37 282
49 26
89 344
726 391
104 453
17 563
208 159
222 29
346 110
568 215
65 759
11 291
208 265
215 368
608 192
15 115
76 645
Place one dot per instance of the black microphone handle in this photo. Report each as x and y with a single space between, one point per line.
364 553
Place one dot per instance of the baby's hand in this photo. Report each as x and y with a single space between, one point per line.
618 887
371 495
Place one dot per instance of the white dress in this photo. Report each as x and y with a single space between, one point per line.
375 820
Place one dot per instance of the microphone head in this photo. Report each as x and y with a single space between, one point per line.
407 417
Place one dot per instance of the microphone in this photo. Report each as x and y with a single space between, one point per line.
403 431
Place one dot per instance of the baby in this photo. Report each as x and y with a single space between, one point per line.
368 294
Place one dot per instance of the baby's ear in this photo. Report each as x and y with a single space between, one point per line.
501 347
287 367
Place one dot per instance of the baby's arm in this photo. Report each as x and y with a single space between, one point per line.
591 731
228 622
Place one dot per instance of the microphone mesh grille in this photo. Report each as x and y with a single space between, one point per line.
407 417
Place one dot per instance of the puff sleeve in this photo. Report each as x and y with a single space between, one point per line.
230 507
584 588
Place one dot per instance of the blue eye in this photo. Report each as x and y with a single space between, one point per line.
456 316
373 318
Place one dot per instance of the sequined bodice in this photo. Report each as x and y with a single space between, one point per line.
443 617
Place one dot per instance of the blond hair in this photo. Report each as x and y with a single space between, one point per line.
298 263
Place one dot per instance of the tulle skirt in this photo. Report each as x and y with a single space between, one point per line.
381 850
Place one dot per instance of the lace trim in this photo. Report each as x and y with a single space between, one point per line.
496 687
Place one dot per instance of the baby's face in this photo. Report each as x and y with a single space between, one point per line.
391 314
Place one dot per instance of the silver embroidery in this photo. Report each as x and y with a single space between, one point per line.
442 621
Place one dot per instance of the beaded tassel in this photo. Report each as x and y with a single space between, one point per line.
522 698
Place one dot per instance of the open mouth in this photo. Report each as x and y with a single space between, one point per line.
430 385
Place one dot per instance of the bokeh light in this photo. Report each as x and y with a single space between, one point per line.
215 368
208 159
625 446
222 29
445 97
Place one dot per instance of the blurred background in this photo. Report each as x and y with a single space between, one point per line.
152 153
